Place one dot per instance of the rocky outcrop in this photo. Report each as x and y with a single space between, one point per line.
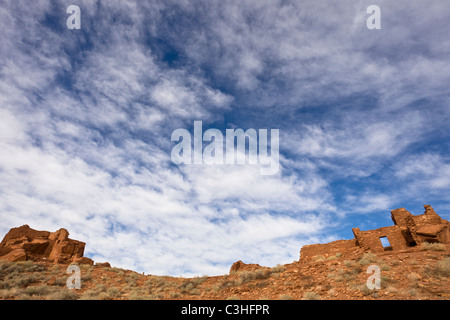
24 243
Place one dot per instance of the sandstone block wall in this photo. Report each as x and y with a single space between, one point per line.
372 239
308 252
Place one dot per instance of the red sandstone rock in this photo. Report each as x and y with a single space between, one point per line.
24 243
15 255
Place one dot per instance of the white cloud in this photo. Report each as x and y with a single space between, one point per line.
428 172
85 134
160 212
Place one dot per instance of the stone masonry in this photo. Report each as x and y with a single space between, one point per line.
408 231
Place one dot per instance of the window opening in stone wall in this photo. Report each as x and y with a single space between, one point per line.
385 243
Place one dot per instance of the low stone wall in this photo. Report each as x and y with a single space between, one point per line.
308 252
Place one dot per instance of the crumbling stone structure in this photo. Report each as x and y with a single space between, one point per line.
241 266
24 243
408 231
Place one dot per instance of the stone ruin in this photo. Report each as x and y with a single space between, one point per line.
241 266
407 232
24 243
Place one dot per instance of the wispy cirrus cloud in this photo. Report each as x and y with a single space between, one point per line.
86 118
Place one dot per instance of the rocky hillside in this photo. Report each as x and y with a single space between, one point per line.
415 265
421 273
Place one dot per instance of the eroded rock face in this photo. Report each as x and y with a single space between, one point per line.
24 243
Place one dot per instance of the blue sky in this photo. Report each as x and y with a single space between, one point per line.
86 118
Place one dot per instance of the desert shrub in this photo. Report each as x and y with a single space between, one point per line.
367 258
97 293
413 262
90 294
61 281
432 246
319 258
104 296
349 263
336 256
311 296
4 294
29 266
261 284
391 289
24 280
85 277
186 287
414 277
364 290
277 269
174 295
247 276
5 284
54 269
40 290
444 266
155 282
412 292
4 264
113 292
224 283
25 264
189 288
12 268
385 281
198 280
100 292
345 274
395 263
131 281
63 294
385 267
189 285
440 269
138 296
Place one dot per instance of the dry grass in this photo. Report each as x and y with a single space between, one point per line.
367 258
247 276
438 270
341 279
432 246
311 296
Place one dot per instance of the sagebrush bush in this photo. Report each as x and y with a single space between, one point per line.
39 290
278 268
311 296
440 269
367 258
432 246
63 294
247 276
